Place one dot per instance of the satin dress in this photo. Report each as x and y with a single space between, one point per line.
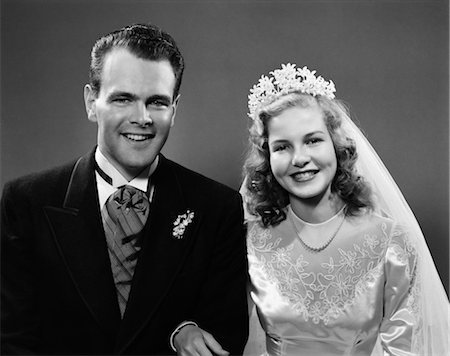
339 301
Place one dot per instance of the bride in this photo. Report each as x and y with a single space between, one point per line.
338 264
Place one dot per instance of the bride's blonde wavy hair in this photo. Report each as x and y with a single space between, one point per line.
266 198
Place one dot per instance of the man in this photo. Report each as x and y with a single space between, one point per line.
124 251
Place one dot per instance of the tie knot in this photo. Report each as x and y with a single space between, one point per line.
128 198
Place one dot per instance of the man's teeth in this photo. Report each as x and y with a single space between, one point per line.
137 137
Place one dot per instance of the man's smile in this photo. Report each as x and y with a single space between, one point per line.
138 137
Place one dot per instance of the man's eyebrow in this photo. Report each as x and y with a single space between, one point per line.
164 98
123 94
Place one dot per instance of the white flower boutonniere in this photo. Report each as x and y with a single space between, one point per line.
180 224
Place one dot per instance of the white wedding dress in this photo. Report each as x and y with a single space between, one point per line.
373 290
339 300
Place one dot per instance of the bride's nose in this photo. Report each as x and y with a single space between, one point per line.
300 158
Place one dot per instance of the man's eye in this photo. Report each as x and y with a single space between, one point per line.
159 104
121 100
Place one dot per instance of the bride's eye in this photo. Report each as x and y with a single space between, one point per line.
279 148
313 140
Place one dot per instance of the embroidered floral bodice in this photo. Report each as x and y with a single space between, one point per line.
339 300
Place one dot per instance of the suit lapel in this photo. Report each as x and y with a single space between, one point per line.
78 232
162 255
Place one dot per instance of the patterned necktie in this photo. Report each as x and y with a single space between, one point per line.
124 215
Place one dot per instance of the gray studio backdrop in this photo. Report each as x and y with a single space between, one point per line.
389 60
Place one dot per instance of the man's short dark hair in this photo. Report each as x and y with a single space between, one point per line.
145 41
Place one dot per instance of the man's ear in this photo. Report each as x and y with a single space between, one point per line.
89 102
175 105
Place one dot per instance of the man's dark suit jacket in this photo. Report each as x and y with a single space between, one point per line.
58 293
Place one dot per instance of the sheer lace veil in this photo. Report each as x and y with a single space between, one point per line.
432 310
430 302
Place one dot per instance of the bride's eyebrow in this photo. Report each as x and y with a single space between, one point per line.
280 140
318 132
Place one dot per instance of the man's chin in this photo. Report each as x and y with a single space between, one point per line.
137 167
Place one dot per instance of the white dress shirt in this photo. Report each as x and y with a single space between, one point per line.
105 189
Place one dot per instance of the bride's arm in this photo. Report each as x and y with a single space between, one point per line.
256 344
401 320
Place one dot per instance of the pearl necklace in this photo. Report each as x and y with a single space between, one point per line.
311 248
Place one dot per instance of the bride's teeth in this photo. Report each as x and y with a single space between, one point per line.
304 175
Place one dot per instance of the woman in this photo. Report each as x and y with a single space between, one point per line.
337 261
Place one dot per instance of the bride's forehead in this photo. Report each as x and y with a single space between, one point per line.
298 118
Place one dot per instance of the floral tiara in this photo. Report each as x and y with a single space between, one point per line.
286 80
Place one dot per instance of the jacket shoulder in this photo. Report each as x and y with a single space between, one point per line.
40 184
198 182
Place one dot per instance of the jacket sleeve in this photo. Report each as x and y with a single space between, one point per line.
19 322
222 307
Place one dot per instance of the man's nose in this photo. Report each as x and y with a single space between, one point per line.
143 116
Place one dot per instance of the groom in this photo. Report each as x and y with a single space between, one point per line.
123 251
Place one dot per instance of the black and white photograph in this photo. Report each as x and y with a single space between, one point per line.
213 177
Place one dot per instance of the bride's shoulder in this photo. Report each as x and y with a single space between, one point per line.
371 219
378 222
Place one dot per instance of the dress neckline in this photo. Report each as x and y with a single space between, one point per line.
301 221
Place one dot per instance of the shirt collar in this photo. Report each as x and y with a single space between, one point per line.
117 179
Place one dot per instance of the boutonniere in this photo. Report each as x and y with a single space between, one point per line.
180 224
